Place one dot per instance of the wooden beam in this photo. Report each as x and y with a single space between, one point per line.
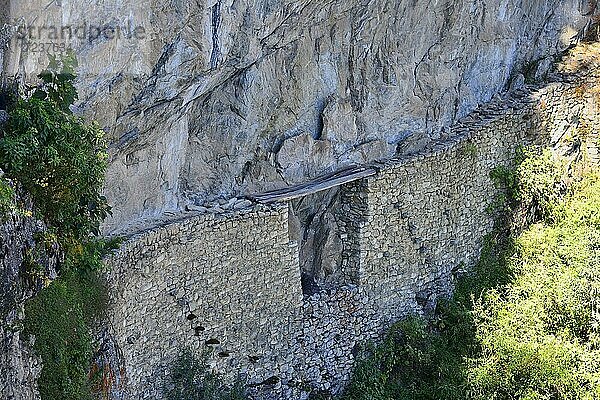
325 182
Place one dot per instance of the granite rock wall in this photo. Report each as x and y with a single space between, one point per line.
221 97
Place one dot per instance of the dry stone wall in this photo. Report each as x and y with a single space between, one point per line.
232 283
426 216
228 283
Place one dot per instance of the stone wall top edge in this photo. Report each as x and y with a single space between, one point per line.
210 221
479 122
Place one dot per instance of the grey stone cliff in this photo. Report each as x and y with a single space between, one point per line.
221 97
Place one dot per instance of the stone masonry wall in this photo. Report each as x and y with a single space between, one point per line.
425 216
232 284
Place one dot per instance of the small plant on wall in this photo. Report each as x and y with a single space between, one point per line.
470 149
190 379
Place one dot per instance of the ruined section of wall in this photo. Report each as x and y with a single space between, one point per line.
313 225
227 283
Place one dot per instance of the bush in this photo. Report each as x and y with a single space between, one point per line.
190 380
424 359
57 158
59 317
407 365
7 198
530 190
539 334
540 182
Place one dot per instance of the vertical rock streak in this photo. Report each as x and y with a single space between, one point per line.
215 55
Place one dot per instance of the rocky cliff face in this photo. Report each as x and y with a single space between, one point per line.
19 243
220 97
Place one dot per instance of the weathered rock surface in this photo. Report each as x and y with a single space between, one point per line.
313 225
223 97
19 366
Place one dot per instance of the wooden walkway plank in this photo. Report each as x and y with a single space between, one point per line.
317 185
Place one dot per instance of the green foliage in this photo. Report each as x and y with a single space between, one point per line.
58 77
506 181
541 186
7 198
422 359
87 256
530 191
57 158
525 323
59 317
60 161
190 380
470 149
405 364
539 334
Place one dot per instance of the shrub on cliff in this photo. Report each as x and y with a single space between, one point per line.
57 157
7 197
60 161
59 317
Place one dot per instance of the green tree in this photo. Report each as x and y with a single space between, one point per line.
60 161
57 157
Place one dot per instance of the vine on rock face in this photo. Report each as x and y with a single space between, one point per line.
60 160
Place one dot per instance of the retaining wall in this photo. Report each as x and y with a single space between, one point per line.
232 283
427 216
228 283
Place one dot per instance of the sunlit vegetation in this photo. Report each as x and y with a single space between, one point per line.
59 160
525 323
